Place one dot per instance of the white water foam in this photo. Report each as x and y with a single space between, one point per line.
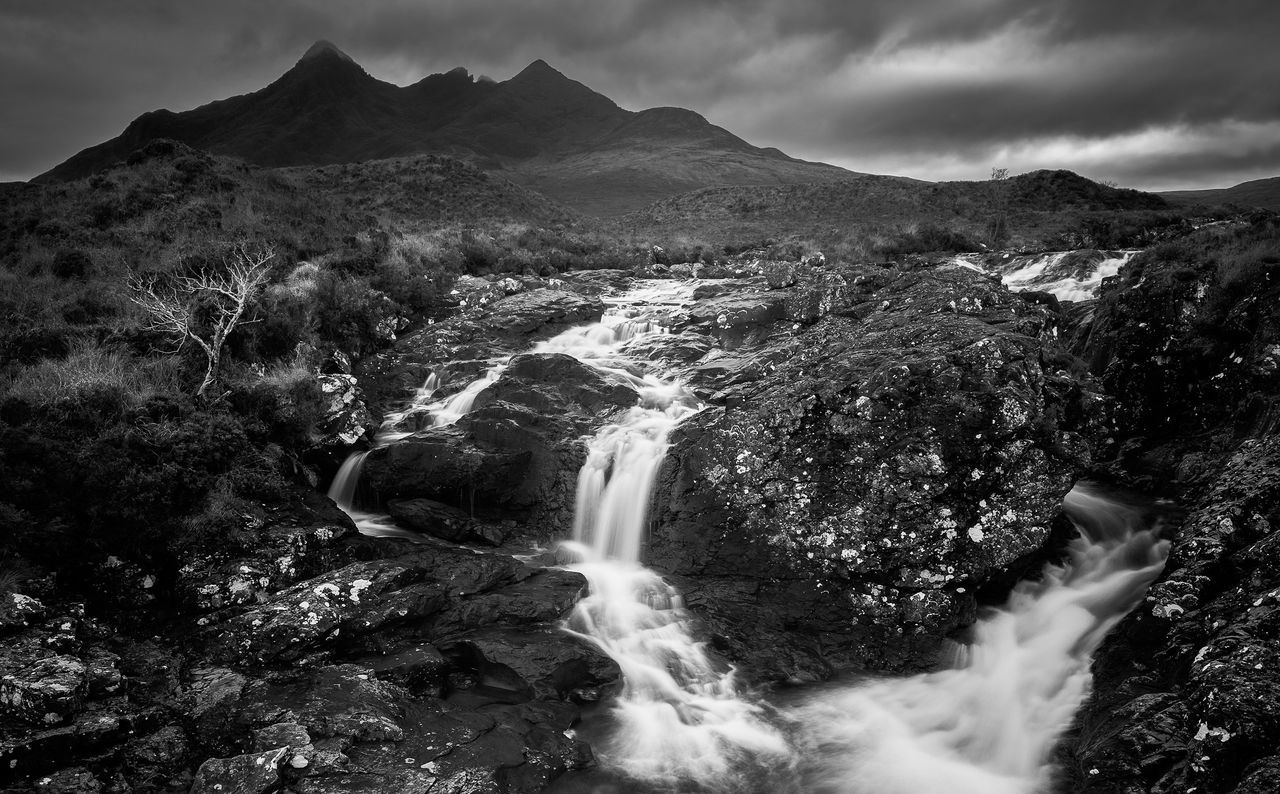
989 725
680 719
1045 273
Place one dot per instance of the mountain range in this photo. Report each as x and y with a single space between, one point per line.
539 129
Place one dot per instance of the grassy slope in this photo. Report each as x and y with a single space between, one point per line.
1038 208
1263 193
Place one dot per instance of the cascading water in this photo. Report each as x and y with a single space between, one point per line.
679 719
989 725
1056 272
595 344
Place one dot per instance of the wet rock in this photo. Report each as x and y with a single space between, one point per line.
544 597
532 311
419 668
445 465
432 518
100 728
737 319
252 773
531 662
596 282
340 701
867 476
502 461
555 382
211 701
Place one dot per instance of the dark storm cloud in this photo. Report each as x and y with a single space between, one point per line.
1149 92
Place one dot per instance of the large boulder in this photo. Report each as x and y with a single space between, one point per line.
849 505
516 454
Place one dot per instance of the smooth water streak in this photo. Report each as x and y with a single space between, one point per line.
989 725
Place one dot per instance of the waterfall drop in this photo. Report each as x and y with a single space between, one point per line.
679 719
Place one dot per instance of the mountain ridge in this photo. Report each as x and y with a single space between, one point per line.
540 128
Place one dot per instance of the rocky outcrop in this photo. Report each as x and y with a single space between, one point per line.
871 472
514 455
289 543
1187 689
346 420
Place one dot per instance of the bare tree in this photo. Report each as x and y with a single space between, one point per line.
999 173
178 306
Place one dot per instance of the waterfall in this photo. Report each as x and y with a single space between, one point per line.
989 724
343 489
628 315
679 718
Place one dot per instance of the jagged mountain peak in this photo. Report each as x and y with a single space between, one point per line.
324 48
540 128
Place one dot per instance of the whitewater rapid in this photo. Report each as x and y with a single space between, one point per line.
989 724
1052 272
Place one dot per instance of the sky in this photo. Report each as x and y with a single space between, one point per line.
1151 94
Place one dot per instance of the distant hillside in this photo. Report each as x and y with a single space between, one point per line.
1263 193
539 128
1035 209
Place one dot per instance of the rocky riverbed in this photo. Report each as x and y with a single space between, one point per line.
880 452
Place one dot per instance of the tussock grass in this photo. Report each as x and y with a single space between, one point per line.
94 371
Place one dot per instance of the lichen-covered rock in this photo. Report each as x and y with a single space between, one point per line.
252 773
45 690
346 420
355 599
18 611
885 469
779 274
289 545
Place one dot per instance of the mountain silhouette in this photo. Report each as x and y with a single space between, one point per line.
539 128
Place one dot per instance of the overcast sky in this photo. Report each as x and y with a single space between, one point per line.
1155 94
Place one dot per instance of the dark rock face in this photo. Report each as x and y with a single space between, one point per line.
515 455
870 474
1187 689
295 542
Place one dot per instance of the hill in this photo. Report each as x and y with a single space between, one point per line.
1263 193
877 215
540 129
